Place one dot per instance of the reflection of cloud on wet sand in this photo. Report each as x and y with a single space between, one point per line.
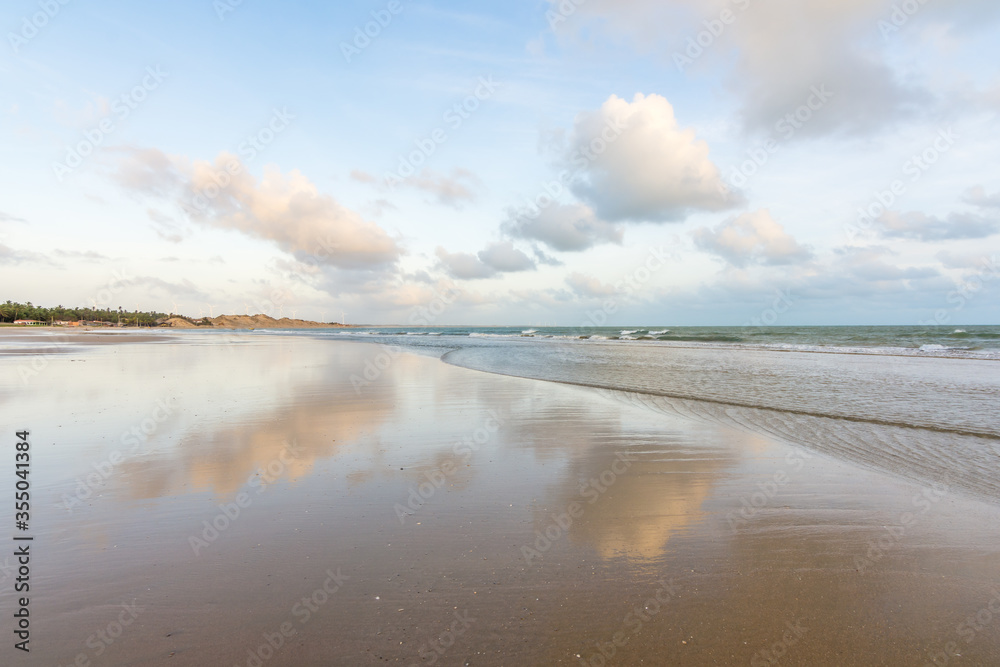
314 422
225 460
632 514
658 496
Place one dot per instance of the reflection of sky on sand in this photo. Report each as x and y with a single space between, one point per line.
86 404
318 410
404 425
239 405
671 473
655 499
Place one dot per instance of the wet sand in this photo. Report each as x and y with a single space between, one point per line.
372 507
55 340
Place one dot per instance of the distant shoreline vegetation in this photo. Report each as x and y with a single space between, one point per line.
11 311
27 314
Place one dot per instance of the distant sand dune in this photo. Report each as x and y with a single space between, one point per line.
249 322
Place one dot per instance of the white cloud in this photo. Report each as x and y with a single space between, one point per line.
568 228
503 256
637 163
783 48
286 210
463 265
751 238
543 258
496 258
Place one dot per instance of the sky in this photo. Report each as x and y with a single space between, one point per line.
570 162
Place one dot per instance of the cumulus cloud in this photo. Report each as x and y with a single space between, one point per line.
751 238
286 210
569 228
635 162
496 258
784 47
922 227
463 265
503 256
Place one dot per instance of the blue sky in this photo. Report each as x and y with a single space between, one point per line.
262 157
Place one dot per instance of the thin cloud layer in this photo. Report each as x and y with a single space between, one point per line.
922 227
5 217
362 176
82 255
453 190
977 196
867 269
11 256
589 286
636 163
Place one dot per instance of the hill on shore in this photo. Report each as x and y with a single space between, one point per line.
246 322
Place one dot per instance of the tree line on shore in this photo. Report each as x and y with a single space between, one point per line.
11 311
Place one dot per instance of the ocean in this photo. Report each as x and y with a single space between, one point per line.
981 342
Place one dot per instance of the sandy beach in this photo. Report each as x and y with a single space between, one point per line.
280 500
